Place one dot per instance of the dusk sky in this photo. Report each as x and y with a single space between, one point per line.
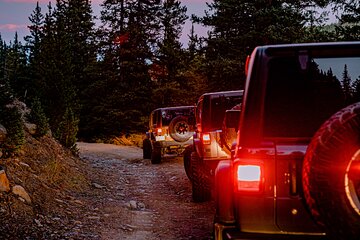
14 16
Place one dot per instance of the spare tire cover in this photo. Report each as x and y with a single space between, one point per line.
331 174
179 129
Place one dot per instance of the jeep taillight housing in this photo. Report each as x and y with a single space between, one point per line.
206 140
249 176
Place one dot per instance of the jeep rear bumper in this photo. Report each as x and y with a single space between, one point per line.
172 144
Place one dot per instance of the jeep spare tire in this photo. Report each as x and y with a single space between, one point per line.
179 129
331 174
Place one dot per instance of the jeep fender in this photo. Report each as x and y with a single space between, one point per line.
224 193
198 147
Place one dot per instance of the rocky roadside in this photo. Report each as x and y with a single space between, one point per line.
110 192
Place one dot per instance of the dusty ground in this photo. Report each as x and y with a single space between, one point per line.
143 201
108 193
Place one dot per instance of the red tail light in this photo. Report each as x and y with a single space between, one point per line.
206 138
159 131
249 177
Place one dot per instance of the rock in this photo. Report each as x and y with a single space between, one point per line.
30 128
141 205
4 182
38 222
93 217
78 202
24 164
3 133
95 185
59 200
132 205
20 191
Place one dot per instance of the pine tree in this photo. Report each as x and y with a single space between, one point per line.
33 46
36 31
3 53
38 117
237 27
129 34
10 117
16 69
67 55
356 89
346 85
349 28
170 85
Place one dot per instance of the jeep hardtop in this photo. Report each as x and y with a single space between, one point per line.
171 129
295 170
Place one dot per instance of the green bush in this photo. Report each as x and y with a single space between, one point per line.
68 129
11 119
38 117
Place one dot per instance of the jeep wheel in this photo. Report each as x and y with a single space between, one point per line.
187 158
201 187
179 129
331 174
156 155
146 148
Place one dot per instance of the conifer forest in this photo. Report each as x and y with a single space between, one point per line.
94 77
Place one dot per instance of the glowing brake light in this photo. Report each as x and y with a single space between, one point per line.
249 178
206 139
159 131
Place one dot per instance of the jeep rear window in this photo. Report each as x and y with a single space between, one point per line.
299 100
219 105
170 114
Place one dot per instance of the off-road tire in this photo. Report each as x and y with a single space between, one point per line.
156 155
147 148
179 129
201 186
330 189
187 161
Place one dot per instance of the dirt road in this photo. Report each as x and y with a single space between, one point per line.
134 199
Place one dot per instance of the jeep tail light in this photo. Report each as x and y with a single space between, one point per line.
249 177
206 139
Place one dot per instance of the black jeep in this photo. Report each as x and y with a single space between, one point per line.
296 167
211 141
170 130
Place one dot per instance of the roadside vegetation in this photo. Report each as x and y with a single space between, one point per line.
98 82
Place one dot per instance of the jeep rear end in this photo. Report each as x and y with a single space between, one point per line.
210 113
291 90
171 129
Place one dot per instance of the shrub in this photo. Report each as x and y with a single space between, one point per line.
38 117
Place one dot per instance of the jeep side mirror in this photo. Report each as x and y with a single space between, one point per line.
232 118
